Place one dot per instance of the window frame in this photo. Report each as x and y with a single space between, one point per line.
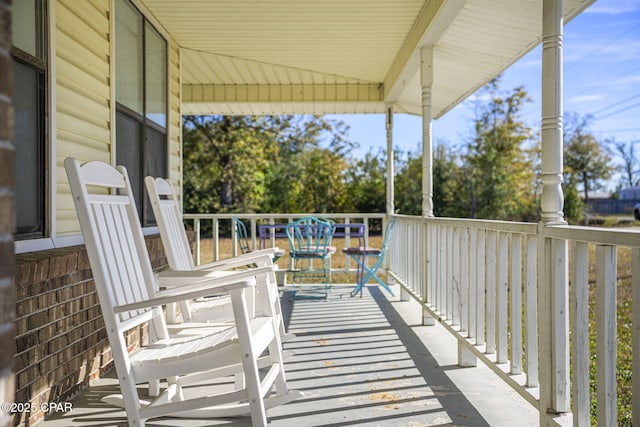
42 68
144 208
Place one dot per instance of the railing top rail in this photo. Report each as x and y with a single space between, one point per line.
606 236
485 224
281 216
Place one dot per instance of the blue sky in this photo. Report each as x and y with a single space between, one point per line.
601 77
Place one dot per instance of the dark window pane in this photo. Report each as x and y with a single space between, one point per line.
156 76
27 27
129 56
141 94
128 152
29 140
156 161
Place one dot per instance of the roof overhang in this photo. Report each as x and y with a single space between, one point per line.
352 56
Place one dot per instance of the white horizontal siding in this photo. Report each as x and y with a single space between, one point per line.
83 95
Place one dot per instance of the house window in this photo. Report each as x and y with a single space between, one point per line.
141 102
29 101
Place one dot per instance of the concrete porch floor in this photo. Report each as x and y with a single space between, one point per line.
359 361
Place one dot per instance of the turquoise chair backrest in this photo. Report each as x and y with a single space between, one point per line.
309 235
241 234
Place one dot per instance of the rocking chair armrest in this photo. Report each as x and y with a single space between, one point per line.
181 278
199 289
238 261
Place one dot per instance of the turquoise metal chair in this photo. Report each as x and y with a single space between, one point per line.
242 236
361 256
310 240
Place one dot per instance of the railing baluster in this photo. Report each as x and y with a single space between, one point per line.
473 283
516 304
502 286
428 272
196 227
254 234
454 304
490 301
415 257
531 311
234 240
560 319
579 314
606 281
442 265
216 239
481 256
464 279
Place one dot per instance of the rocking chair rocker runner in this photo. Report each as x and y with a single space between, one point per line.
360 256
129 297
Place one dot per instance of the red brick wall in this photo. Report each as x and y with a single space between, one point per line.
61 344
7 213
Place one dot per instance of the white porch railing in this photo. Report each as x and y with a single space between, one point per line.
253 221
502 289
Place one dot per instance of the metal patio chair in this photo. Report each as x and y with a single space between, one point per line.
129 296
242 236
310 240
361 256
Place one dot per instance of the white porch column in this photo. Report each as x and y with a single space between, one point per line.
426 81
552 201
553 274
404 295
390 161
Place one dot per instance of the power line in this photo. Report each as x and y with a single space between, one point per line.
604 45
609 82
618 130
615 104
618 111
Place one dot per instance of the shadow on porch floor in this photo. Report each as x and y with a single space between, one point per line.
359 361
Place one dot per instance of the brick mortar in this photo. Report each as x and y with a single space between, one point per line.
54 337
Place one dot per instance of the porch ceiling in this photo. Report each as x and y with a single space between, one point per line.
343 56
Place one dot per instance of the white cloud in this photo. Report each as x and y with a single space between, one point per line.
584 99
613 7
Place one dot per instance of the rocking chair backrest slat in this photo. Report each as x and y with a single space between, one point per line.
170 223
113 237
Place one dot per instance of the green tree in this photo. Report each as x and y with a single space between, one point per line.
264 164
366 183
573 204
448 184
408 184
219 152
308 170
628 162
586 165
499 168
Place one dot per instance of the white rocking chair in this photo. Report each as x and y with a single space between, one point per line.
129 297
168 215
